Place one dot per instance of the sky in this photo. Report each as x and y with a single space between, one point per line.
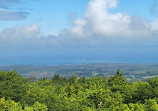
52 32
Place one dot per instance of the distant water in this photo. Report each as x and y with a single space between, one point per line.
75 60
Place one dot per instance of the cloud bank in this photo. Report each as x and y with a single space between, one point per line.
98 20
19 33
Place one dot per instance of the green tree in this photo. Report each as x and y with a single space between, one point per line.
12 86
117 79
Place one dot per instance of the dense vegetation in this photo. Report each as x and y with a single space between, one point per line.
77 94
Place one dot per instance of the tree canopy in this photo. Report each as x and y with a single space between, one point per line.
77 94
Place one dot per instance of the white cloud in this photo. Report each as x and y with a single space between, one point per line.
31 30
154 25
99 21
19 33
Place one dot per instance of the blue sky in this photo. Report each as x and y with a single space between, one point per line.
110 30
51 15
54 15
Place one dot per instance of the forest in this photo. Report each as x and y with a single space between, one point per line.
96 93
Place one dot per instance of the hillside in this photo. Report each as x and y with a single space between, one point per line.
132 72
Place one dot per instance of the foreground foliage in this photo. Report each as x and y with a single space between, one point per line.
77 94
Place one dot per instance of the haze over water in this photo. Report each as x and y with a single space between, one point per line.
75 60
